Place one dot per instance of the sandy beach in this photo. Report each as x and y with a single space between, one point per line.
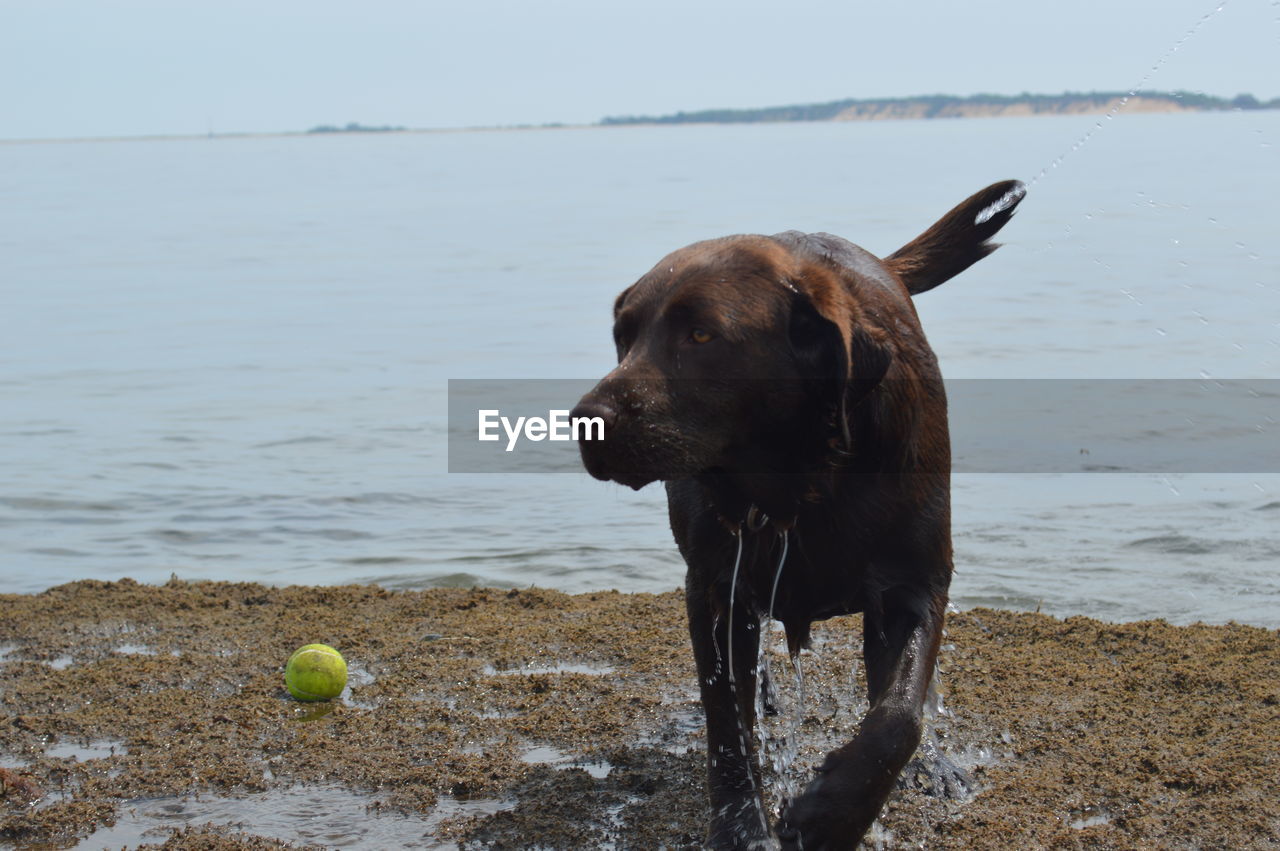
155 716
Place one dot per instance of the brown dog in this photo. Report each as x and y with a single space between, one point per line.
782 388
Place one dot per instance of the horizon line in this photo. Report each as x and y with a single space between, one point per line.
609 122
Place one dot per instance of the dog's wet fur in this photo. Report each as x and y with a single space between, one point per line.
782 388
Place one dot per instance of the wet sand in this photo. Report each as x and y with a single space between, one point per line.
511 719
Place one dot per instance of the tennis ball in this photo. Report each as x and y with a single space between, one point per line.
315 672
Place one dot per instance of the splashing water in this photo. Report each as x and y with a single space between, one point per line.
931 770
780 749
797 718
934 706
1124 101
781 752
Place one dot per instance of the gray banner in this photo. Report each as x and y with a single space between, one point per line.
997 425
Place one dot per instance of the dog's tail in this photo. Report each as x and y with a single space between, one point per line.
957 240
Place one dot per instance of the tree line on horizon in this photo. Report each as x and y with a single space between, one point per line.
354 127
934 105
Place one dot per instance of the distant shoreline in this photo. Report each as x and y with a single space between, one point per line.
920 108
287 134
926 107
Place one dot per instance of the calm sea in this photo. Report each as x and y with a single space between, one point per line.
227 358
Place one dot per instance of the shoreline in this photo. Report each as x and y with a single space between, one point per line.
489 717
1014 111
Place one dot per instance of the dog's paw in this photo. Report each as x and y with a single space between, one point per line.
740 827
936 775
813 821
765 843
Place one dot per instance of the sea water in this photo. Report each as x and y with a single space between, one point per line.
227 358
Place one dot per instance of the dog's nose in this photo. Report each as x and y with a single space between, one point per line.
593 408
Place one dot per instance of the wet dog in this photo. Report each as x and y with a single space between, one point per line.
783 389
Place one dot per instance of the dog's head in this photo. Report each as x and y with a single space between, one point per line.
742 354
750 354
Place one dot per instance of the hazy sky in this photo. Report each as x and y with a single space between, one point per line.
128 67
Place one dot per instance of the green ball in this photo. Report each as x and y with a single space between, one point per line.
315 672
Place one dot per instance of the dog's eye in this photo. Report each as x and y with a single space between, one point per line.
700 335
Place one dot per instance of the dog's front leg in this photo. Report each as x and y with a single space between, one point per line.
900 647
738 820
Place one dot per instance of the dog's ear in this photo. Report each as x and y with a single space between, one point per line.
957 240
869 361
843 371
621 300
